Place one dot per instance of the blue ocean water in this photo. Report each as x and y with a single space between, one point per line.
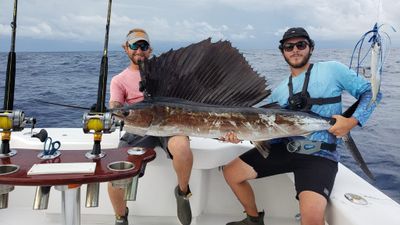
72 78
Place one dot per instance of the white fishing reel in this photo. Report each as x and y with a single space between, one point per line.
100 122
14 121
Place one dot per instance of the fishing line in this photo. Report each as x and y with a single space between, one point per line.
376 36
64 105
379 10
102 88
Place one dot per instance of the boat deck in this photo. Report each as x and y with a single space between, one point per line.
212 202
28 216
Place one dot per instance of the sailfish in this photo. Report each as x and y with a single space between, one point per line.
206 90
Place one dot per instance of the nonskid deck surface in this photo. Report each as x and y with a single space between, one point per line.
22 216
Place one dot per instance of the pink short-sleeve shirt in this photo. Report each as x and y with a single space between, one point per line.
124 87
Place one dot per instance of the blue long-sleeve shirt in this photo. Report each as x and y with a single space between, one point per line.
329 79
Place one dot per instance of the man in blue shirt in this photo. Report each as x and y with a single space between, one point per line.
314 160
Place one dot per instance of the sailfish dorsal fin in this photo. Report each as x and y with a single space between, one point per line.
205 72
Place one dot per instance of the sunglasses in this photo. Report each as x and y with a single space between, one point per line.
300 45
144 46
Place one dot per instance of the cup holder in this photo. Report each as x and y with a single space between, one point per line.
8 169
136 151
121 166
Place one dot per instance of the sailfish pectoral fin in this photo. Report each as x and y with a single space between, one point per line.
262 147
352 147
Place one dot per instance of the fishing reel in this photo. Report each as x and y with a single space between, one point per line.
100 122
14 121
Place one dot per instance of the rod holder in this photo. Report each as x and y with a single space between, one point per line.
131 190
3 201
41 200
92 195
121 166
4 190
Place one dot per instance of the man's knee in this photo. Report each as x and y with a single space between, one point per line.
311 218
179 145
312 208
238 171
229 172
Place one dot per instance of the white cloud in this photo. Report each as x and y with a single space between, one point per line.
192 30
242 36
225 27
249 27
5 30
193 20
339 19
39 29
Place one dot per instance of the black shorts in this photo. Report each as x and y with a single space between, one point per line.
311 173
133 140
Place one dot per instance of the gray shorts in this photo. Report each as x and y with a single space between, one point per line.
133 140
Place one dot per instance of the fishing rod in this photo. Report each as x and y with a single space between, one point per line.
11 120
10 74
98 121
101 92
378 51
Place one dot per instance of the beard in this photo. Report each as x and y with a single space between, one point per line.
136 60
302 63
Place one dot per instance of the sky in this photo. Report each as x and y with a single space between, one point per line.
79 25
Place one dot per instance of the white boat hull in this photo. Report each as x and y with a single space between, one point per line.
212 201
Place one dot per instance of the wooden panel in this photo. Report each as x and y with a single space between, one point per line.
25 158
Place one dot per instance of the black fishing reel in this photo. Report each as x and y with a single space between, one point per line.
100 122
14 121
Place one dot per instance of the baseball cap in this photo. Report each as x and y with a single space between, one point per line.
136 35
294 32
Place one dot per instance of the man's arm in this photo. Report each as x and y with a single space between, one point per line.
358 87
115 104
117 98
364 108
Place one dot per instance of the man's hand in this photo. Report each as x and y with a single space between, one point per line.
230 137
343 125
118 105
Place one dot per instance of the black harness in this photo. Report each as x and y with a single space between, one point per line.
302 101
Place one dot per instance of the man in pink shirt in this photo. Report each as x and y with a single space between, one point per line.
125 90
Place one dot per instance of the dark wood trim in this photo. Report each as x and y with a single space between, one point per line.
26 158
